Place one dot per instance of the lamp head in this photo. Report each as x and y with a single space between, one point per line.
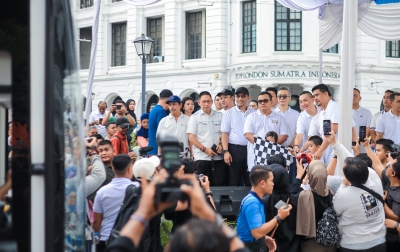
143 46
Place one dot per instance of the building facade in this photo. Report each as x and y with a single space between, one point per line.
215 44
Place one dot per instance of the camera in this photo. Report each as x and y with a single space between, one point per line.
304 158
201 177
169 190
395 149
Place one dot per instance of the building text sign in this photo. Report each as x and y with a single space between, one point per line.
285 74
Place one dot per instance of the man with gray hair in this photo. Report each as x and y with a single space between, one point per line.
96 118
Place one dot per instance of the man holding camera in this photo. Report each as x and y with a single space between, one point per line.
175 123
204 129
120 108
96 118
361 116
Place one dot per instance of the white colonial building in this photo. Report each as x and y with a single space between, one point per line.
211 45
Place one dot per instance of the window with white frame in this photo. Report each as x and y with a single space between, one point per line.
333 49
393 49
155 31
249 27
85 46
195 35
118 46
288 29
86 4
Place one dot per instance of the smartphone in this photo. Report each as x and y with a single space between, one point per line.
100 120
280 204
326 124
119 107
353 143
362 133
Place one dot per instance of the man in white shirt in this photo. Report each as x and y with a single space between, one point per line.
330 111
387 107
175 123
234 143
227 99
204 130
304 121
389 124
288 113
109 198
96 118
274 93
261 122
361 116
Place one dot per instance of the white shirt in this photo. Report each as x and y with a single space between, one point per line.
303 124
176 127
259 125
233 123
362 117
375 119
389 125
290 116
361 216
96 115
108 202
207 129
314 128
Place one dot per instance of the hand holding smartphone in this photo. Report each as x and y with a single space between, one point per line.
327 127
280 204
362 133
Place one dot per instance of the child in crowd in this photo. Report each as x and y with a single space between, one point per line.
314 143
142 135
272 137
111 128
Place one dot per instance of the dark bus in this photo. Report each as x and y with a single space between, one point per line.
41 103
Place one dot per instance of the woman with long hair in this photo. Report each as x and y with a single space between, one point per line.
187 106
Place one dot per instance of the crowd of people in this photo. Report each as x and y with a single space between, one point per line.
313 204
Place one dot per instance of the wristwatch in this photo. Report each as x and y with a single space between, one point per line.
278 219
396 226
209 193
225 151
203 149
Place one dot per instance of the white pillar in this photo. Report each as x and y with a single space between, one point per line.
347 73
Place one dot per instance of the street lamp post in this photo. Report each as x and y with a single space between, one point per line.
143 47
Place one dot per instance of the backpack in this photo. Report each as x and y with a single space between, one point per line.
327 232
129 205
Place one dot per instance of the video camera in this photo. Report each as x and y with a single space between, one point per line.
395 149
304 158
169 190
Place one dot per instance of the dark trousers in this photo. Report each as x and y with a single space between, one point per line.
217 171
292 172
378 248
101 246
393 246
238 168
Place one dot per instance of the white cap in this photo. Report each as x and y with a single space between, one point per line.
145 166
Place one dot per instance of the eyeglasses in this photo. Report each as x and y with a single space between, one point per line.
205 101
263 101
283 96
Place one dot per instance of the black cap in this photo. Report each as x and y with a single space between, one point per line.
166 93
242 90
226 92
122 122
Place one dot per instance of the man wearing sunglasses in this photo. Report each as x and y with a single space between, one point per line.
261 122
288 113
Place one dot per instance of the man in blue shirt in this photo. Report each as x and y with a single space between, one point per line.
251 225
157 113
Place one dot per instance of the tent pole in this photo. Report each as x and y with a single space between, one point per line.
320 66
347 74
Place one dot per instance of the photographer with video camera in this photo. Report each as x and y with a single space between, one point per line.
210 231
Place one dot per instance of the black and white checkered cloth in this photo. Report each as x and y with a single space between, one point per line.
264 149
